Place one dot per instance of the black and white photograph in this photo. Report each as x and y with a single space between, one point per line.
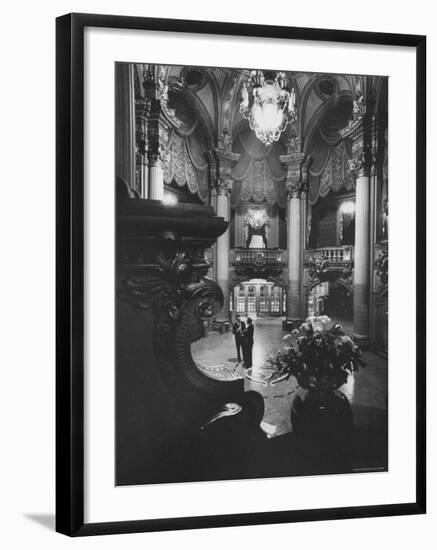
251 299
217 296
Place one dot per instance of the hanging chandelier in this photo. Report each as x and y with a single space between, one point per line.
269 105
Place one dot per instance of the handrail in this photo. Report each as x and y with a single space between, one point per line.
257 255
334 254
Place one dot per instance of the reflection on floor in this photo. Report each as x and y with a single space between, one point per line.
366 391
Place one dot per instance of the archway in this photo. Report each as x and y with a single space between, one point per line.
333 298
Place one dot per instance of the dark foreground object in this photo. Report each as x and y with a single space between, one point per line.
233 446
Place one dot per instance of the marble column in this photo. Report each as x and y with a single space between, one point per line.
294 244
143 176
223 248
361 165
220 162
158 133
362 258
297 164
125 124
156 178
303 240
142 168
157 128
213 203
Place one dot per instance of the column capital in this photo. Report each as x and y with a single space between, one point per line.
141 116
295 190
158 133
221 163
297 165
359 165
363 136
151 88
154 117
223 187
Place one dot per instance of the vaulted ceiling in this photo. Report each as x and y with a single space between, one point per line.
214 95
206 102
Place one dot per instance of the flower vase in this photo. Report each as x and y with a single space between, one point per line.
322 421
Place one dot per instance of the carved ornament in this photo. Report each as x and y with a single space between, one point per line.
169 283
381 267
220 165
297 165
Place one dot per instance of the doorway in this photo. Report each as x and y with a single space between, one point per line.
259 298
331 298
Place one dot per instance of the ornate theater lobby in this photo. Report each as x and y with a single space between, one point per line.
252 231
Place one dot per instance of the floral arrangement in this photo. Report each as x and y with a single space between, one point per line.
320 358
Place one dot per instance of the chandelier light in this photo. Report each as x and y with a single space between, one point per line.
268 105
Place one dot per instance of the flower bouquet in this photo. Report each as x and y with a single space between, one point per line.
320 358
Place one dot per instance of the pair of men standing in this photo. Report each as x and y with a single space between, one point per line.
243 339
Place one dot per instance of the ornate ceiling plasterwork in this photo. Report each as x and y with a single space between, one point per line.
220 76
258 186
208 113
181 167
336 176
259 176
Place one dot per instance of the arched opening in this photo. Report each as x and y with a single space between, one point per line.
332 298
185 166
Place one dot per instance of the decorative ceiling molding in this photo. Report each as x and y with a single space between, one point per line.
258 186
199 109
322 113
336 176
180 167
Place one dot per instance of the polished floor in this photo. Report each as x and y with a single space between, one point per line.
366 390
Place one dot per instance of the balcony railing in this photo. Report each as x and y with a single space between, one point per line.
258 256
334 254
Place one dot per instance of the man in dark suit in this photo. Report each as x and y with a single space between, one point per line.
248 344
238 329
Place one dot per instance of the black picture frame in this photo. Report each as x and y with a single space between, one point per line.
70 273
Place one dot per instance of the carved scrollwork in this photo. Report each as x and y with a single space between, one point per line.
363 136
260 270
357 164
320 270
161 273
167 285
295 190
225 141
220 165
208 297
